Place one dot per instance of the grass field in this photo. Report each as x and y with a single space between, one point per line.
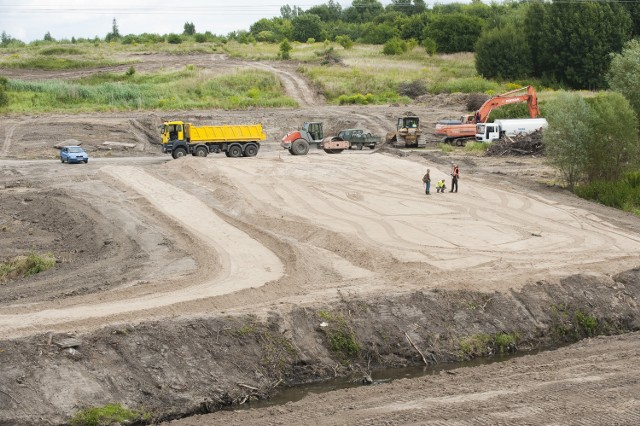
359 75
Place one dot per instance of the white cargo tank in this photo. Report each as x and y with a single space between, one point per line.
489 132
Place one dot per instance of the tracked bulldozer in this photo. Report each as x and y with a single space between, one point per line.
407 134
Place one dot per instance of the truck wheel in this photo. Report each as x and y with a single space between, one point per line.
250 150
201 151
300 147
179 152
359 147
235 151
333 151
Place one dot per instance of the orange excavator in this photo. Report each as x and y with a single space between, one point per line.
458 132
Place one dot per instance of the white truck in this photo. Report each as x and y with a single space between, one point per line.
489 132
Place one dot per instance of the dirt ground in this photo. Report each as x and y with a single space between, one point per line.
185 284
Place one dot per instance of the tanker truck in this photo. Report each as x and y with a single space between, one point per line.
180 139
489 132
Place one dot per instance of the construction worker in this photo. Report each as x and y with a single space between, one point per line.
440 186
426 179
455 174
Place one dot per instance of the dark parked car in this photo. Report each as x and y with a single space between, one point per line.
73 154
358 138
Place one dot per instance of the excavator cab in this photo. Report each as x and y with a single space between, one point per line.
314 129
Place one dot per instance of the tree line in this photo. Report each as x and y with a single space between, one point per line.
563 44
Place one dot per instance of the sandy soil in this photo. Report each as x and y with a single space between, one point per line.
141 237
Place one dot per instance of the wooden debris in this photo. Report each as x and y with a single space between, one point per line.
530 144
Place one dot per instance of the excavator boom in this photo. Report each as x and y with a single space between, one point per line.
525 94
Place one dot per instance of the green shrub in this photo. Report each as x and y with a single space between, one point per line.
344 41
429 45
61 50
413 89
285 49
357 99
174 39
476 147
25 266
107 415
395 46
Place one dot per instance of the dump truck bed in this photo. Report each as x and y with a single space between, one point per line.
226 133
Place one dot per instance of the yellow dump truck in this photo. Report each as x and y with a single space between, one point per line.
180 138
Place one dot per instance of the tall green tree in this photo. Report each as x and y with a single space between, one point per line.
566 138
455 32
503 53
328 12
612 147
624 74
307 26
115 33
575 40
363 11
189 29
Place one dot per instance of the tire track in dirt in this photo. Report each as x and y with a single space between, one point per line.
234 248
295 86
7 139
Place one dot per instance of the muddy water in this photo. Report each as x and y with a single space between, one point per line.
296 393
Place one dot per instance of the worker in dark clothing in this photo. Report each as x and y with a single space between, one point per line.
455 174
426 179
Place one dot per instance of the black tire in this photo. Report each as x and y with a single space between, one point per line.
62 161
179 152
299 147
235 151
333 151
227 153
359 147
86 161
201 151
459 142
250 150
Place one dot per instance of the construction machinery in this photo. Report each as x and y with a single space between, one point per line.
180 138
458 132
490 132
359 138
298 142
407 134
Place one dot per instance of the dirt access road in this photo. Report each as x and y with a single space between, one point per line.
144 242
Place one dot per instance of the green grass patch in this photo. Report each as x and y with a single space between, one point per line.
341 338
482 344
48 63
107 415
24 266
62 50
623 194
190 88
445 147
571 324
476 147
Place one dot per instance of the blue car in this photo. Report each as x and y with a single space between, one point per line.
73 154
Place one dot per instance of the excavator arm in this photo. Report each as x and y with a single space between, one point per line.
524 94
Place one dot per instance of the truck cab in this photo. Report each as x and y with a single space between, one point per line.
173 131
487 132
